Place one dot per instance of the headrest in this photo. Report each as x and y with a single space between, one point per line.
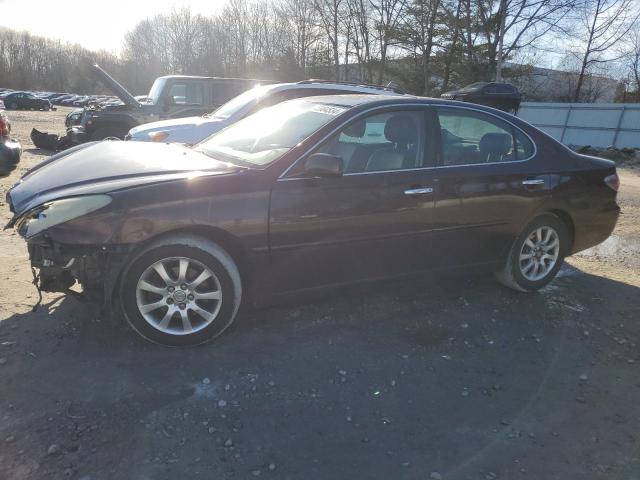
496 143
355 129
401 129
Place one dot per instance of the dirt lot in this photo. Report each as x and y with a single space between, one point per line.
455 378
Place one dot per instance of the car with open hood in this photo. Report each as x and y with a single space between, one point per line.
172 96
306 194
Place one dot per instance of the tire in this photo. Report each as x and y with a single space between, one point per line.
220 294
518 272
13 106
108 132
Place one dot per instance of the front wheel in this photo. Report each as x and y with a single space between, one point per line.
536 255
182 291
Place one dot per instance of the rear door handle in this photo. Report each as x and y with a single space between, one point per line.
535 181
418 191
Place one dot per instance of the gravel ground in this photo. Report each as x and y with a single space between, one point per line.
420 379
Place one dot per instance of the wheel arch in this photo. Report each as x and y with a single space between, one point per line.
229 242
568 221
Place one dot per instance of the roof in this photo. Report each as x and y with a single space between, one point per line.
217 79
351 101
355 100
364 89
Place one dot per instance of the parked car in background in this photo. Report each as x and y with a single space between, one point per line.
68 102
10 149
192 130
26 101
173 96
308 193
502 96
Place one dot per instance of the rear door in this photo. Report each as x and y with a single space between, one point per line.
486 184
374 221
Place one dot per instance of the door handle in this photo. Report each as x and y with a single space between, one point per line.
418 191
535 181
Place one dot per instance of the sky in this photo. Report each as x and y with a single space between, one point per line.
94 24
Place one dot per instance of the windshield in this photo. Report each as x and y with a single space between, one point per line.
156 91
267 135
239 103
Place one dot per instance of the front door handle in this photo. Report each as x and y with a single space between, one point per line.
418 191
535 181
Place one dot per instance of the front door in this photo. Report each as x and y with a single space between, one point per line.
374 221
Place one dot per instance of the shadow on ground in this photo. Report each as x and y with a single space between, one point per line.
387 381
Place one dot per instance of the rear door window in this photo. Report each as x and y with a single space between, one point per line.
469 137
187 93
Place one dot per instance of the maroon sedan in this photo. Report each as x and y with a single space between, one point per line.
306 194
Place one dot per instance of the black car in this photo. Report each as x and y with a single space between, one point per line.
308 193
26 101
503 96
10 149
172 96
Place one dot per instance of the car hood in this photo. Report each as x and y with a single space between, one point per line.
115 87
190 130
102 167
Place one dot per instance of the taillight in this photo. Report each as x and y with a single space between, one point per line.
613 181
5 128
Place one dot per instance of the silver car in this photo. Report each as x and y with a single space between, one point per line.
192 130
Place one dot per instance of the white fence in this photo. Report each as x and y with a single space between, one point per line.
598 125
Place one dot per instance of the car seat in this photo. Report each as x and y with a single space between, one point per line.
494 146
346 150
402 132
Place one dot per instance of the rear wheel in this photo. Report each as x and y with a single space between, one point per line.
13 106
108 133
183 291
536 255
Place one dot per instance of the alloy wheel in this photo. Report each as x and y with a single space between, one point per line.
539 253
178 295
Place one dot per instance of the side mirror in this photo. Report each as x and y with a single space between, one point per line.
324 165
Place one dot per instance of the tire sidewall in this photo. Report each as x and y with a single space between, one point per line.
133 316
544 220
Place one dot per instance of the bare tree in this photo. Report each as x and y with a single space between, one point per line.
303 32
606 23
329 14
517 24
387 17
630 53
418 34
360 15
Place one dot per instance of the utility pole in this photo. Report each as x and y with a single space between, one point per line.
503 17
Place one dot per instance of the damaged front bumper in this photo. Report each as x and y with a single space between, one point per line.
58 267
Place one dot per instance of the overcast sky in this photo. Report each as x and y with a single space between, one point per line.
93 24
